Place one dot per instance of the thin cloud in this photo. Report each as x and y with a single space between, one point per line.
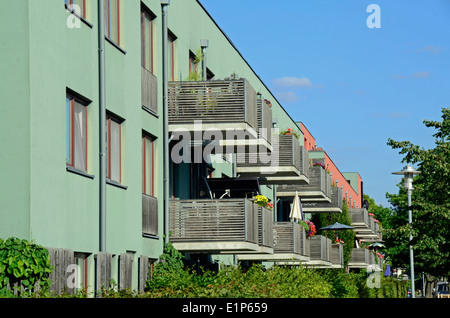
288 97
424 74
433 49
296 82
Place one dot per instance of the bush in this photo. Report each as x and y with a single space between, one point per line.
24 263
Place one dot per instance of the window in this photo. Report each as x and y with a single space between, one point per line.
79 7
114 148
171 55
148 161
193 63
76 133
113 21
147 39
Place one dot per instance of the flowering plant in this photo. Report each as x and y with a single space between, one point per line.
371 214
263 201
319 164
310 228
290 131
339 241
268 102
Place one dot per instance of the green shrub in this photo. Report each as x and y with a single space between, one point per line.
25 263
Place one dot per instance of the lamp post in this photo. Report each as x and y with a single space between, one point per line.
408 173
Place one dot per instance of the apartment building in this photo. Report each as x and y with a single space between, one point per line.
108 112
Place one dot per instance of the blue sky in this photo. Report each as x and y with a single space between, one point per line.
352 86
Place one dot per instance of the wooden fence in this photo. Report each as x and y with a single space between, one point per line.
62 277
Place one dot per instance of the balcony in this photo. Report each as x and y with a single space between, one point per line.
149 215
214 226
224 111
366 228
360 258
337 256
320 251
286 164
335 206
149 91
318 189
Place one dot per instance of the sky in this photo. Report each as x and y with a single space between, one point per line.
353 74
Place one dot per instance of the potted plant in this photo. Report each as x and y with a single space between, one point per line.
263 201
310 228
290 131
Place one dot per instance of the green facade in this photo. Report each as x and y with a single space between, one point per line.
44 56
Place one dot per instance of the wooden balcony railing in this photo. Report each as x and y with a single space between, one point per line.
335 206
359 258
264 120
149 215
320 250
337 256
265 227
316 190
149 91
220 105
287 163
208 225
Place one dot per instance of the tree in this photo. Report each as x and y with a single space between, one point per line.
430 202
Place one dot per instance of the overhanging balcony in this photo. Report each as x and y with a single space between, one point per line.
365 226
318 189
320 251
214 226
290 245
335 206
359 258
224 111
286 164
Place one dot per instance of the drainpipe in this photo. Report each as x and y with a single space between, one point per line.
165 82
102 123
204 45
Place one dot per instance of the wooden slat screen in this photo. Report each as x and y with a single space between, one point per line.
264 120
149 215
289 237
213 220
316 182
149 90
360 256
125 270
285 147
232 101
265 227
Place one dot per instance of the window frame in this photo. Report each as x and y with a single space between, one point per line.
150 16
68 4
152 140
108 19
72 98
119 121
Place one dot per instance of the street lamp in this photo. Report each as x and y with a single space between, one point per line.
408 173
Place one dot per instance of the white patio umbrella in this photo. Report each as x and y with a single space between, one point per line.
296 211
